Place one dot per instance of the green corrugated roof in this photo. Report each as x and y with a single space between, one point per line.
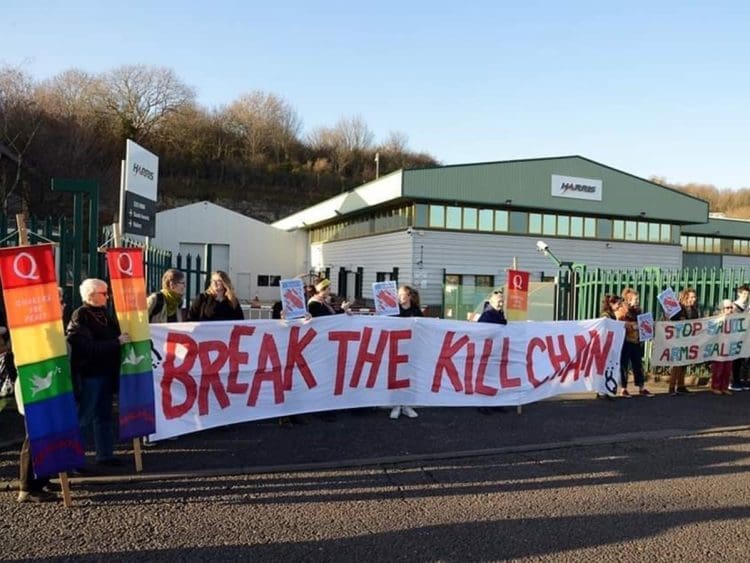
717 227
527 184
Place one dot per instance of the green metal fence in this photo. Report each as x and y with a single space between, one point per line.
588 286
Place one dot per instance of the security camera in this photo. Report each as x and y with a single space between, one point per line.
542 246
409 231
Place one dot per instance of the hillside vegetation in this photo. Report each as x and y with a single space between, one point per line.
250 155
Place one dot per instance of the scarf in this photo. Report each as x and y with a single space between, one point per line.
172 301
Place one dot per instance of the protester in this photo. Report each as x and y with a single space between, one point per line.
165 306
95 340
632 351
689 303
218 302
7 365
740 365
319 304
493 313
610 304
408 306
721 370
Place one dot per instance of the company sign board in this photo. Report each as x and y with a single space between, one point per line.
140 180
577 188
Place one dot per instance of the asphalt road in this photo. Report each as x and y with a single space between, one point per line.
575 478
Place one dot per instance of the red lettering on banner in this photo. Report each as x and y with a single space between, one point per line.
365 356
445 362
559 360
480 387
598 353
535 342
269 369
579 360
210 373
469 369
237 358
294 358
179 373
343 337
394 359
505 380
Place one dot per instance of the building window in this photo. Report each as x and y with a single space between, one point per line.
589 227
549 225
452 217
666 233
484 283
265 280
563 225
470 218
535 223
576 226
501 221
618 229
485 219
437 216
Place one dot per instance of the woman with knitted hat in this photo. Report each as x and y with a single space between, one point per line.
319 304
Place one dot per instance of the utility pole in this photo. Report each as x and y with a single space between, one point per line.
377 165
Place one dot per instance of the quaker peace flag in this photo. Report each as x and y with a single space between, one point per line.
136 375
34 315
517 296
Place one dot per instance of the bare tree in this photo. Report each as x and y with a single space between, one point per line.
266 124
20 119
139 97
342 144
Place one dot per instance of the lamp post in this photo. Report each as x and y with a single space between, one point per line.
565 281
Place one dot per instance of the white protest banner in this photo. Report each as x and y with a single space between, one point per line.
385 295
669 302
218 373
645 327
292 298
694 341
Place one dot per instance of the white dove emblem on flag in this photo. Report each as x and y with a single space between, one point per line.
39 384
131 359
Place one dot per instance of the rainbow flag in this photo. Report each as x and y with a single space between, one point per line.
32 304
137 416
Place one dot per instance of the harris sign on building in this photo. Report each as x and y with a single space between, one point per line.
577 188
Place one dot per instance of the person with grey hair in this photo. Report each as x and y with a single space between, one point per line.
95 340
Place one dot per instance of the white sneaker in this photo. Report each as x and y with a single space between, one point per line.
410 412
395 412
6 390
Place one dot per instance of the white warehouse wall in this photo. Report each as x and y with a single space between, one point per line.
254 247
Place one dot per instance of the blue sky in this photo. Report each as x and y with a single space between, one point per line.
651 88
